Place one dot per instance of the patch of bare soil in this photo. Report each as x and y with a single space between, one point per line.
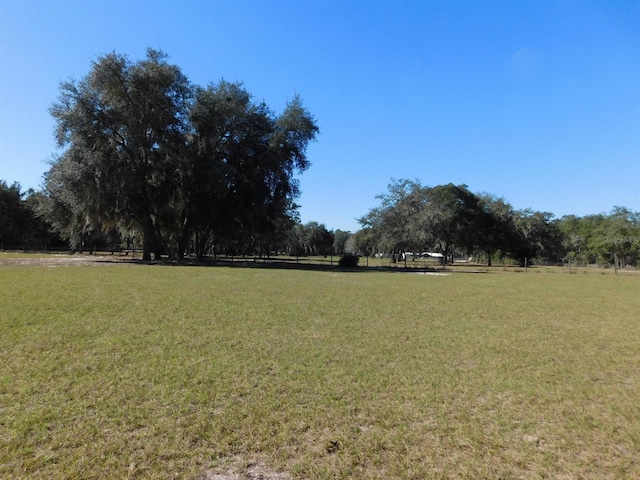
64 260
253 471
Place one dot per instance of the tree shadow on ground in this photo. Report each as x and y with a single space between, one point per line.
305 265
275 263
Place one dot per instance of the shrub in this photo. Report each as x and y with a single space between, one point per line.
348 260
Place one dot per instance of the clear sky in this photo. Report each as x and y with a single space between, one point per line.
534 101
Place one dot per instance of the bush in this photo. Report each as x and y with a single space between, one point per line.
348 260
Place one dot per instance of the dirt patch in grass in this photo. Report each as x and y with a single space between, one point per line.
252 471
63 260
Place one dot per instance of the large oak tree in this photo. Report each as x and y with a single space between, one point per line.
144 150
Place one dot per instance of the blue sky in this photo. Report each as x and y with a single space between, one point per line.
534 101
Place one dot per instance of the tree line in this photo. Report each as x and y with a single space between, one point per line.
148 159
20 224
450 219
25 225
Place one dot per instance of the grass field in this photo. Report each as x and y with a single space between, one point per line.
143 371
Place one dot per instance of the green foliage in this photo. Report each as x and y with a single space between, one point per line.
395 221
539 236
13 214
312 238
449 218
604 239
452 216
349 260
364 242
416 218
147 151
497 232
20 223
340 239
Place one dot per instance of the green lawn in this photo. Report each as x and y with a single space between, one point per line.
143 371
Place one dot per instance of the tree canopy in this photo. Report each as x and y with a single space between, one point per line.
450 218
13 214
145 150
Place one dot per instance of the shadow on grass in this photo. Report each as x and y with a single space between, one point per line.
275 263
306 265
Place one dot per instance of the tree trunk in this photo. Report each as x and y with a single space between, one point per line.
148 239
488 257
157 253
199 249
183 242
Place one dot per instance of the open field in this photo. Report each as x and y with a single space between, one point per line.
149 371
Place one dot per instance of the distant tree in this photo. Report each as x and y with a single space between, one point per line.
17 223
325 241
577 234
39 232
394 224
496 232
364 242
539 236
451 219
312 238
12 214
350 246
451 214
607 239
340 238
618 238
20 225
412 217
